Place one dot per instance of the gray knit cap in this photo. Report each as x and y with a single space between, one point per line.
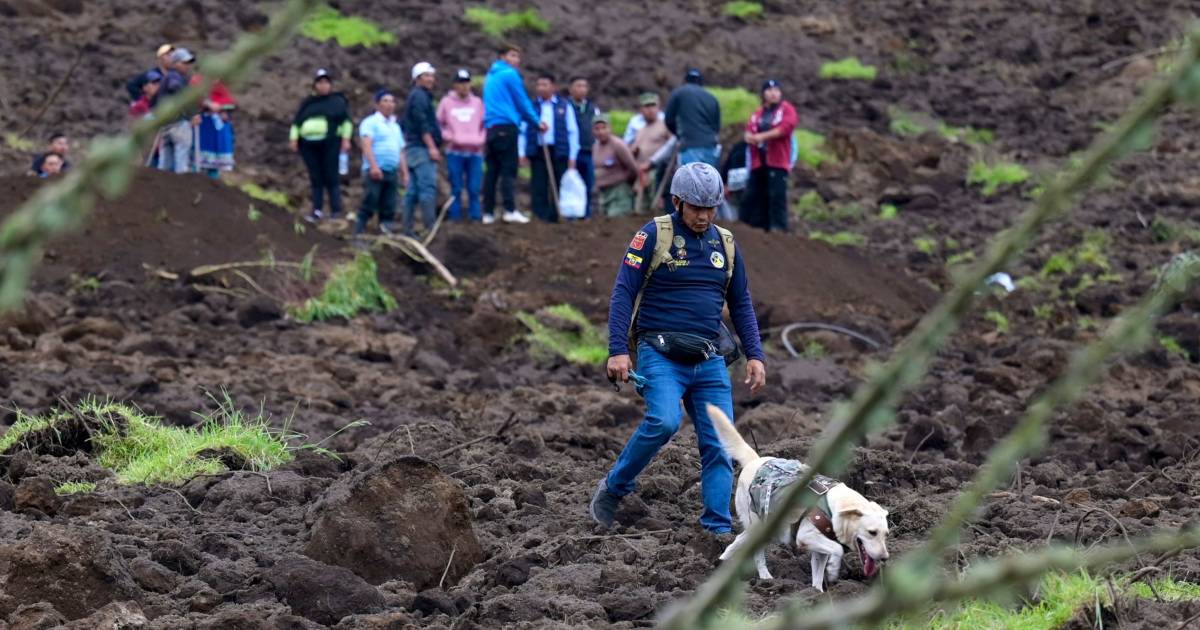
699 184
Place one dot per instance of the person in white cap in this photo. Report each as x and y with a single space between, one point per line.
422 137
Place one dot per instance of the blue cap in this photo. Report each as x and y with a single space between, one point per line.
382 93
770 83
693 76
153 75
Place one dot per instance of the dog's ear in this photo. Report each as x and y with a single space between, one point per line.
850 512
882 510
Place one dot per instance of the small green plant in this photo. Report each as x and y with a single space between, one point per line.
1061 598
326 23
848 211
960 258
737 104
74 487
619 120
1167 588
1172 345
888 211
306 264
351 288
276 197
810 148
992 176
849 68
811 207
17 143
926 245
1043 311
577 340
298 227
813 350
839 239
999 319
84 284
743 10
254 214
497 24
968 135
904 123
1165 230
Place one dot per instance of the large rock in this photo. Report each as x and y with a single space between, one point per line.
402 519
77 570
322 593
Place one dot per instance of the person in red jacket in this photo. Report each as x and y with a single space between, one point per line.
769 138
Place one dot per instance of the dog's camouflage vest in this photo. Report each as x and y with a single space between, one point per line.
776 475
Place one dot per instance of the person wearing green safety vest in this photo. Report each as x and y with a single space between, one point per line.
321 132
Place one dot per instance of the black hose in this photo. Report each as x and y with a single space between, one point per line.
787 330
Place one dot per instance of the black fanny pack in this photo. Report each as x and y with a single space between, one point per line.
691 349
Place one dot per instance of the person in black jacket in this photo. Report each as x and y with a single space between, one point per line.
163 56
422 137
320 132
694 116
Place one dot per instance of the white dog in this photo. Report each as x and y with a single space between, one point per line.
849 520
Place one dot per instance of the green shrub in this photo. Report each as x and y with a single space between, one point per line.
849 68
888 211
926 245
497 24
813 350
579 341
810 148
999 319
620 120
737 104
743 10
277 197
1061 597
351 288
1172 345
74 487
327 23
811 207
992 176
840 239
969 135
1167 588
904 123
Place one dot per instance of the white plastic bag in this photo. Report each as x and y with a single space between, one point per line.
572 195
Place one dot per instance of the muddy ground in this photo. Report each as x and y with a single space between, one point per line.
236 550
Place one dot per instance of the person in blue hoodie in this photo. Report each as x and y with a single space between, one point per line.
676 326
506 105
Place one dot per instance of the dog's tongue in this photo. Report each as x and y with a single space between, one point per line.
869 566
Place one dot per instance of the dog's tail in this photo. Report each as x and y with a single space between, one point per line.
735 446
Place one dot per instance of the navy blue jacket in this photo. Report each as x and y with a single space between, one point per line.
420 118
688 299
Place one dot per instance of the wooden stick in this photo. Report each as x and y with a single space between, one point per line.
499 432
634 535
550 177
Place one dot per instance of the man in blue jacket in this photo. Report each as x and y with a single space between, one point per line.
506 105
551 148
676 327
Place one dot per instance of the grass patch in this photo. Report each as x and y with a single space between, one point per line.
277 197
1061 597
888 211
140 449
17 143
969 135
74 487
926 245
574 338
351 288
328 23
497 24
1168 588
839 239
813 350
254 214
991 177
619 121
907 124
1172 345
1091 251
737 104
743 10
811 150
1165 230
848 69
811 207
999 319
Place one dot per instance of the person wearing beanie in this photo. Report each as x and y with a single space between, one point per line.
694 116
769 138
422 137
320 131
460 116
384 167
678 273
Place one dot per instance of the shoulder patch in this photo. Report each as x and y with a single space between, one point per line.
633 260
717 259
639 240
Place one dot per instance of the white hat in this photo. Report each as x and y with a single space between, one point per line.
422 68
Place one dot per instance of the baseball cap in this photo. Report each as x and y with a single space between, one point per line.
648 98
153 75
164 49
182 55
322 73
693 76
423 67
380 93
602 118
770 83
462 75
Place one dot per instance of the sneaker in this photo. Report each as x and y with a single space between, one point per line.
512 216
315 216
489 219
603 508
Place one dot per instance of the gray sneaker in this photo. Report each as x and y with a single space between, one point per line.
603 507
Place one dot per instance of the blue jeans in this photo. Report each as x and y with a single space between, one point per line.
379 197
697 385
175 150
709 155
465 168
422 187
587 170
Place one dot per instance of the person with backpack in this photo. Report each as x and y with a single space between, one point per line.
769 137
321 132
679 271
